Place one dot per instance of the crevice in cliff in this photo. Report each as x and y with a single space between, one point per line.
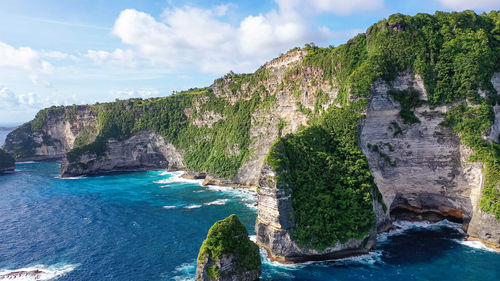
426 208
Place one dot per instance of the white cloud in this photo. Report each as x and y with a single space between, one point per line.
58 55
199 37
485 5
9 100
118 57
24 58
137 93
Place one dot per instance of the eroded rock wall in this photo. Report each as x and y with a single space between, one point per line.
144 150
427 174
54 138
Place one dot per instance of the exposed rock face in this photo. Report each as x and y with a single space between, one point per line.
54 138
7 162
430 177
264 130
275 222
228 254
144 150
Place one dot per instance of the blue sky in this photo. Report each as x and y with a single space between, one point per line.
73 52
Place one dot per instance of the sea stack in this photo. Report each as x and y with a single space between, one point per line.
7 162
228 254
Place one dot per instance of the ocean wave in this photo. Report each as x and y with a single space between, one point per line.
399 227
476 245
169 207
36 272
176 177
70 178
186 272
247 196
26 162
371 258
192 206
217 202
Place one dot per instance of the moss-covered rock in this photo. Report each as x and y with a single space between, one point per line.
228 253
7 162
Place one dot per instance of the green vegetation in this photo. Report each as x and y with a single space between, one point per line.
6 160
472 123
455 53
408 99
229 236
281 125
397 129
205 149
213 272
328 175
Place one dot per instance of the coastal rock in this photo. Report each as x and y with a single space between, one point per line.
7 162
429 176
55 136
275 222
144 150
192 175
228 254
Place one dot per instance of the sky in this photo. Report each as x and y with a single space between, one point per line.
56 52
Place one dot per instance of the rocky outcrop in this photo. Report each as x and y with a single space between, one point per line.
305 84
7 162
275 223
228 254
56 135
427 174
144 150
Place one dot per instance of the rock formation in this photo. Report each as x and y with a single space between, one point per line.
228 254
7 162
144 150
423 169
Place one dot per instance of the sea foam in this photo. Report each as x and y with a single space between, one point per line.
36 272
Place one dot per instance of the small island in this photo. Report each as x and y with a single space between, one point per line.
228 253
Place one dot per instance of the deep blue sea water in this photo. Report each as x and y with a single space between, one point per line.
150 225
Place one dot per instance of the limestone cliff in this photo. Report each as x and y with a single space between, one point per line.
228 254
7 162
53 133
427 133
144 150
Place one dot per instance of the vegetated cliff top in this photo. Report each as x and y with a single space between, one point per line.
229 236
456 54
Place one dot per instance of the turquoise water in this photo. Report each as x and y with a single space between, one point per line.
150 225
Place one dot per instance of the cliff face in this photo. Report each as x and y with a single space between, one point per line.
430 177
144 150
423 168
7 162
53 136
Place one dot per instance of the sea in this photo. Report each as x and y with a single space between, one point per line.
150 226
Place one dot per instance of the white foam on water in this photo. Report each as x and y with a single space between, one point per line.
217 202
169 207
176 177
476 245
192 207
373 257
245 195
70 178
26 162
401 226
186 272
37 272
